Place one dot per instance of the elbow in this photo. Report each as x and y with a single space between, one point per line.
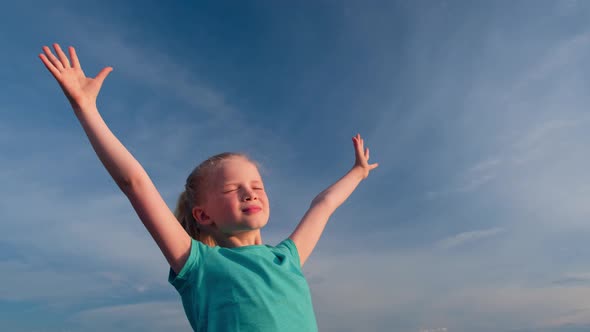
129 185
126 185
325 201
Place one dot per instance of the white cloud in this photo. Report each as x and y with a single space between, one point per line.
559 56
366 288
543 131
510 307
26 282
582 276
469 237
146 316
578 317
573 278
114 45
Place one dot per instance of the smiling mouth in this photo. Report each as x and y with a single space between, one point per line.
252 209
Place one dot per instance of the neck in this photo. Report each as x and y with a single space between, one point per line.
242 239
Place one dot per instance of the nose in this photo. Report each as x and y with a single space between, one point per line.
249 195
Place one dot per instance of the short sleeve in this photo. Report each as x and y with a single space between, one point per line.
183 278
290 246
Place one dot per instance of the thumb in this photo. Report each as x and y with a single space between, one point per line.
100 77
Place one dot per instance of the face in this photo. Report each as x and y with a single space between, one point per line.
235 200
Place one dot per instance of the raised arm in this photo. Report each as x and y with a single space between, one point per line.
129 175
311 226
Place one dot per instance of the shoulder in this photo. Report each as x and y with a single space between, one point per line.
196 258
288 246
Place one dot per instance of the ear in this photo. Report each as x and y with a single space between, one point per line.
201 216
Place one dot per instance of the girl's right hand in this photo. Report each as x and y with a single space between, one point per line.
80 90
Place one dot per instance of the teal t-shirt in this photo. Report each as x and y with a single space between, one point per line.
253 288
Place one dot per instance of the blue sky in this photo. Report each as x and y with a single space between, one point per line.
477 111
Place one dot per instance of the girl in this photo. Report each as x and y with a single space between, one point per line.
228 280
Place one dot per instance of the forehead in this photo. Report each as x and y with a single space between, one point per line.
236 169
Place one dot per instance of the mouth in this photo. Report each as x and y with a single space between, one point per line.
252 209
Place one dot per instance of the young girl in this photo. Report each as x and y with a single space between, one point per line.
228 280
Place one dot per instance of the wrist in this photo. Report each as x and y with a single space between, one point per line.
359 172
80 108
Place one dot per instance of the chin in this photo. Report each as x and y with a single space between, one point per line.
251 225
260 224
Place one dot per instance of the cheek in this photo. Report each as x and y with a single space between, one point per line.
264 198
230 201
223 204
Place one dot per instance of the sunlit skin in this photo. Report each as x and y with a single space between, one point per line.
236 206
234 194
80 90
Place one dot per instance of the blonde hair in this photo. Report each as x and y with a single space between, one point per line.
194 193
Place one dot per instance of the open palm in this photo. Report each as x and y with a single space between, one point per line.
79 89
362 156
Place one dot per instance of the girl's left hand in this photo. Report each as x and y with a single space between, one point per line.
362 156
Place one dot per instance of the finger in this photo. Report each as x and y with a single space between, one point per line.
49 65
103 74
74 57
373 166
367 153
355 142
358 149
58 65
62 56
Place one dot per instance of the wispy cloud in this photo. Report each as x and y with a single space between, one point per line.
565 53
573 279
146 316
575 318
480 111
469 237
472 179
109 43
520 306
